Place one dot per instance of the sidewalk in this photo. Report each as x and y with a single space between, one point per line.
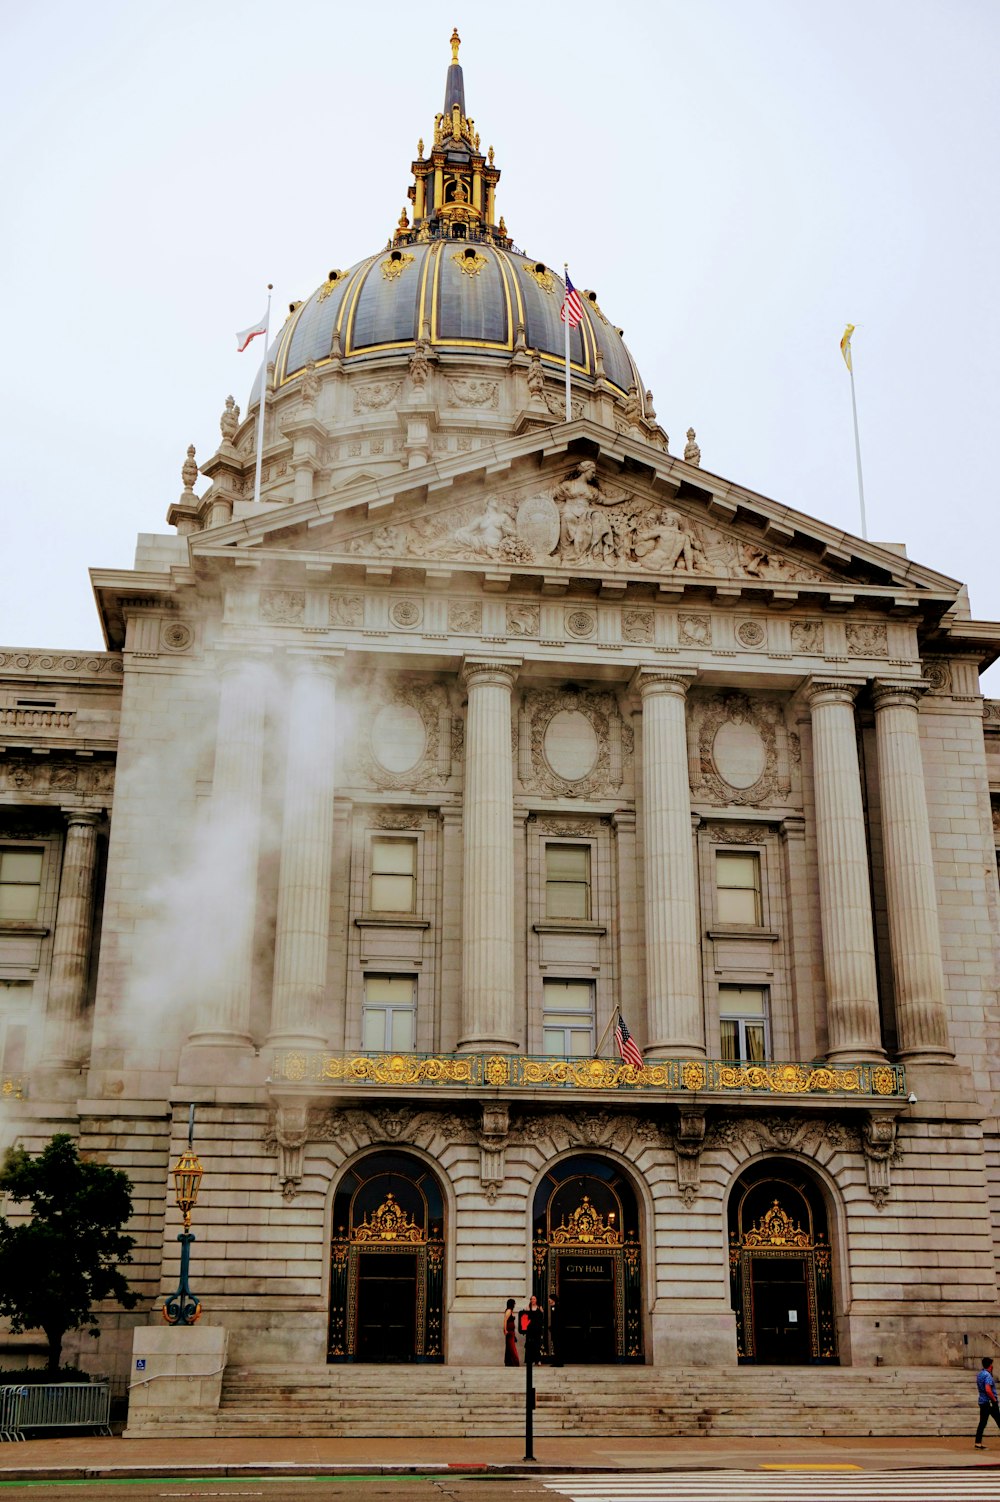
81 1458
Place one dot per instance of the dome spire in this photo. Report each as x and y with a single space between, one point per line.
454 189
454 84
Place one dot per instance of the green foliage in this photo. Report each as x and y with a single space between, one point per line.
56 1266
34 1376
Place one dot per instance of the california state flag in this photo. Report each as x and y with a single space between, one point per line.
248 335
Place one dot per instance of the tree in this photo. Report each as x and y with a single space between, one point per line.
56 1266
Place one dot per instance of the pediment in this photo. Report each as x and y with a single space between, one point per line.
593 507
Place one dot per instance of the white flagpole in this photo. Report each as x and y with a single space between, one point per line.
569 407
263 397
857 452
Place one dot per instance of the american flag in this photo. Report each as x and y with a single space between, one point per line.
572 308
627 1046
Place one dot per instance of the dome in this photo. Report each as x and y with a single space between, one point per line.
464 296
451 281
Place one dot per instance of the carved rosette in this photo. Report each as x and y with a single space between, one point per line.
741 751
612 743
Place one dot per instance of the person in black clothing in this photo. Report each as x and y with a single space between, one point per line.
533 1326
555 1332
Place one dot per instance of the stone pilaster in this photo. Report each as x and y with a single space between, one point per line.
675 1019
853 1021
71 942
302 934
235 814
914 930
488 862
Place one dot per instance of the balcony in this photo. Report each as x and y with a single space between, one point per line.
521 1074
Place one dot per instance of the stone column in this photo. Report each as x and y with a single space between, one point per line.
488 862
235 847
914 931
675 1016
853 1022
71 942
302 934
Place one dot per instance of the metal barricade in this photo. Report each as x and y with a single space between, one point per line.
10 1398
56 1405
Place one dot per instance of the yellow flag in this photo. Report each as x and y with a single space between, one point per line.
845 346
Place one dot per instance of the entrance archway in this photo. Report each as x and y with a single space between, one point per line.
779 1268
586 1251
387 1262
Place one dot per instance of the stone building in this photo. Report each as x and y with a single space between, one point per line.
485 725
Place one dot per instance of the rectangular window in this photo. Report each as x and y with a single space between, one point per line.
568 1018
743 1021
567 881
737 886
394 876
389 1014
20 884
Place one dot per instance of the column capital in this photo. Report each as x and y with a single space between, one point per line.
82 816
672 681
822 691
888 695
318 661
487 670
237 658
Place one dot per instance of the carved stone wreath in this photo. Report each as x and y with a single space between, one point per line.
751 633
613 736
175 636
767 719
430 700
405 613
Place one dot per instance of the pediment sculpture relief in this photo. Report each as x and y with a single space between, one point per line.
581 522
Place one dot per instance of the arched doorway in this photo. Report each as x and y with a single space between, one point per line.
779 1268
586 1251
387 1262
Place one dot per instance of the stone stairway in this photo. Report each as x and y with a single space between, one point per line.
485 1402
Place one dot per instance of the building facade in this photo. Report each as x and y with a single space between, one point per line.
489 723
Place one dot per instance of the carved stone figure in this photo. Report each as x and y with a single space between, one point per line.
692 453
229 421
484 534
585 529
536 378
663 542
310 383
420 366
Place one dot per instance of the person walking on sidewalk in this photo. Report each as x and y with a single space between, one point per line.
987 1400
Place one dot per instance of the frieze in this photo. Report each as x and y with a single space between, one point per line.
742 753
397 818
485 394
466 619
751 633
583 826
284 607
582 521
736 834
377 397
176 636
936 673
347 610
807 637
637 626
61 664
695 630
523 620
866 639
607 1129
53 776
406 614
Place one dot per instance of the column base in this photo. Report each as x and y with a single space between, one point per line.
204 1061
659 1051
844 1056
488 1045
311 1042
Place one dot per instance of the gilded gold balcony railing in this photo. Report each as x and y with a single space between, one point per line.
477 1072
13 1088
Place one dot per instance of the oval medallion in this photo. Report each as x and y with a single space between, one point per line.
538 524
398 738
739 753
570 744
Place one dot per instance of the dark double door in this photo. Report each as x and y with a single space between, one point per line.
781 1310
586 1291
386 1306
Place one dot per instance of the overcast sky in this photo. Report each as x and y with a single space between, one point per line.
735 178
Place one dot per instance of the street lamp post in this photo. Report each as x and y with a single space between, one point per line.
184 1307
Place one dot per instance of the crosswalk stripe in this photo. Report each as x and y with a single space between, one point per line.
971 1485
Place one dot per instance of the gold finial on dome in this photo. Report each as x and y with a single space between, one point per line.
456 42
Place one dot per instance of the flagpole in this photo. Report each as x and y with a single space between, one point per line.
857 452
597 1050
569 407
263 397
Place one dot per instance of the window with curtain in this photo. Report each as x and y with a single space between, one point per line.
737 886
568 1018
394 876
744 1023
20 883
567 881
389 1014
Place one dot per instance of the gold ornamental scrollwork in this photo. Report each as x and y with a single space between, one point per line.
693 1076
389 1222
543 277
295 1067
472 265
883 1080
586 1226
497 1070
393 267
404 1069
776 1229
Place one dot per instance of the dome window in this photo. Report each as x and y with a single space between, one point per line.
334 276
470 254
592 296
540 267
396 255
